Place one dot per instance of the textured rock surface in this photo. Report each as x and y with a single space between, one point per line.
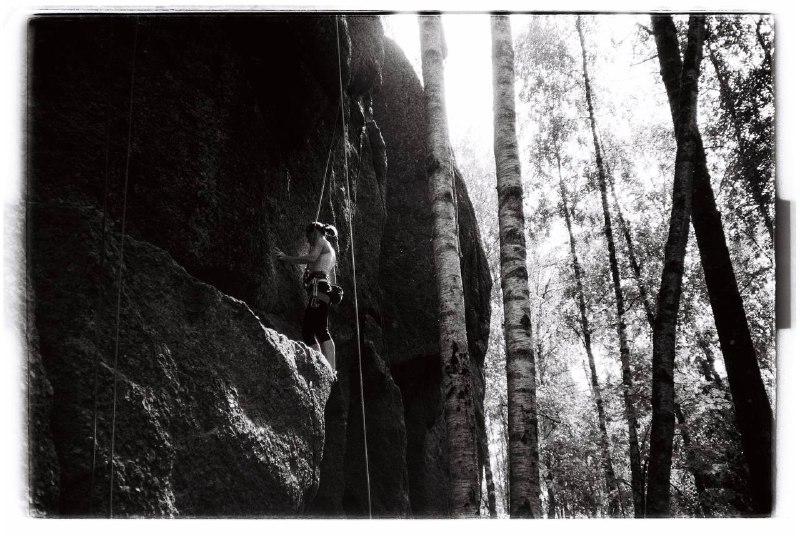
198 373
232 119
43 460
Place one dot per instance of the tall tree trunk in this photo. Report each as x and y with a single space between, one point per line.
753 183
753 413
608 468
691 460
697 475
624 350
669 294
523 442
551 498
464 480
485 459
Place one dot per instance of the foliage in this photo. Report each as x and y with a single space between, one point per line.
639 149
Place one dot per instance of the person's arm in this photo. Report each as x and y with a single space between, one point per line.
301 259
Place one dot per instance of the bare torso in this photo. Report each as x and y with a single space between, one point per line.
326 260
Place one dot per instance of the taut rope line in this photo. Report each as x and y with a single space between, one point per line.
121 267
353 262
327 162
97 361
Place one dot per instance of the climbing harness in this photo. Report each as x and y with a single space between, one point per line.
316 283
353 262
121 267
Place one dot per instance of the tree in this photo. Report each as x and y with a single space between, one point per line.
483 446
707 369
634 263
478 170
663 424
523 435
743 98
608 467
754 418
464 479
624 350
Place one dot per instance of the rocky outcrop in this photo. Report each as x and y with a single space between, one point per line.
197 373
232 118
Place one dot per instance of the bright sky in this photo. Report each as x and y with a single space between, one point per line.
468 68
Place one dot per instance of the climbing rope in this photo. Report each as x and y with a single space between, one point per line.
121 267
353 262
327 162
97 361
122 256
102 293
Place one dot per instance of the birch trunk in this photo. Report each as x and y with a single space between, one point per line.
608 467
523 448
669 294
754 418
708 371
483 443
464 480
622 333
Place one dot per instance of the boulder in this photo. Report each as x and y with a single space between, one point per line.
207 411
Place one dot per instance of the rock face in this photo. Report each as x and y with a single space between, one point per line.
231 121
197 373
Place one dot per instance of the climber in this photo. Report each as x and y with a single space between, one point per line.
320 261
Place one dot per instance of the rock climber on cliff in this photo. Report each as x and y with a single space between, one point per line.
320 261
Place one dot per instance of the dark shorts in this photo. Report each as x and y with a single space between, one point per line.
315 322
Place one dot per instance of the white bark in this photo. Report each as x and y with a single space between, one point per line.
523 448
464 481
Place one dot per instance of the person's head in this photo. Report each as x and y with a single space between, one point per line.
316 229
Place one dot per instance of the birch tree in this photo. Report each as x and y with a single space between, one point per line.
624 350
464 479
608 467
523 440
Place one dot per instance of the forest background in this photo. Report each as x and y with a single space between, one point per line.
638 146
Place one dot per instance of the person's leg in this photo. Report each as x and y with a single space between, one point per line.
329 351
323 335
315 328
309 327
